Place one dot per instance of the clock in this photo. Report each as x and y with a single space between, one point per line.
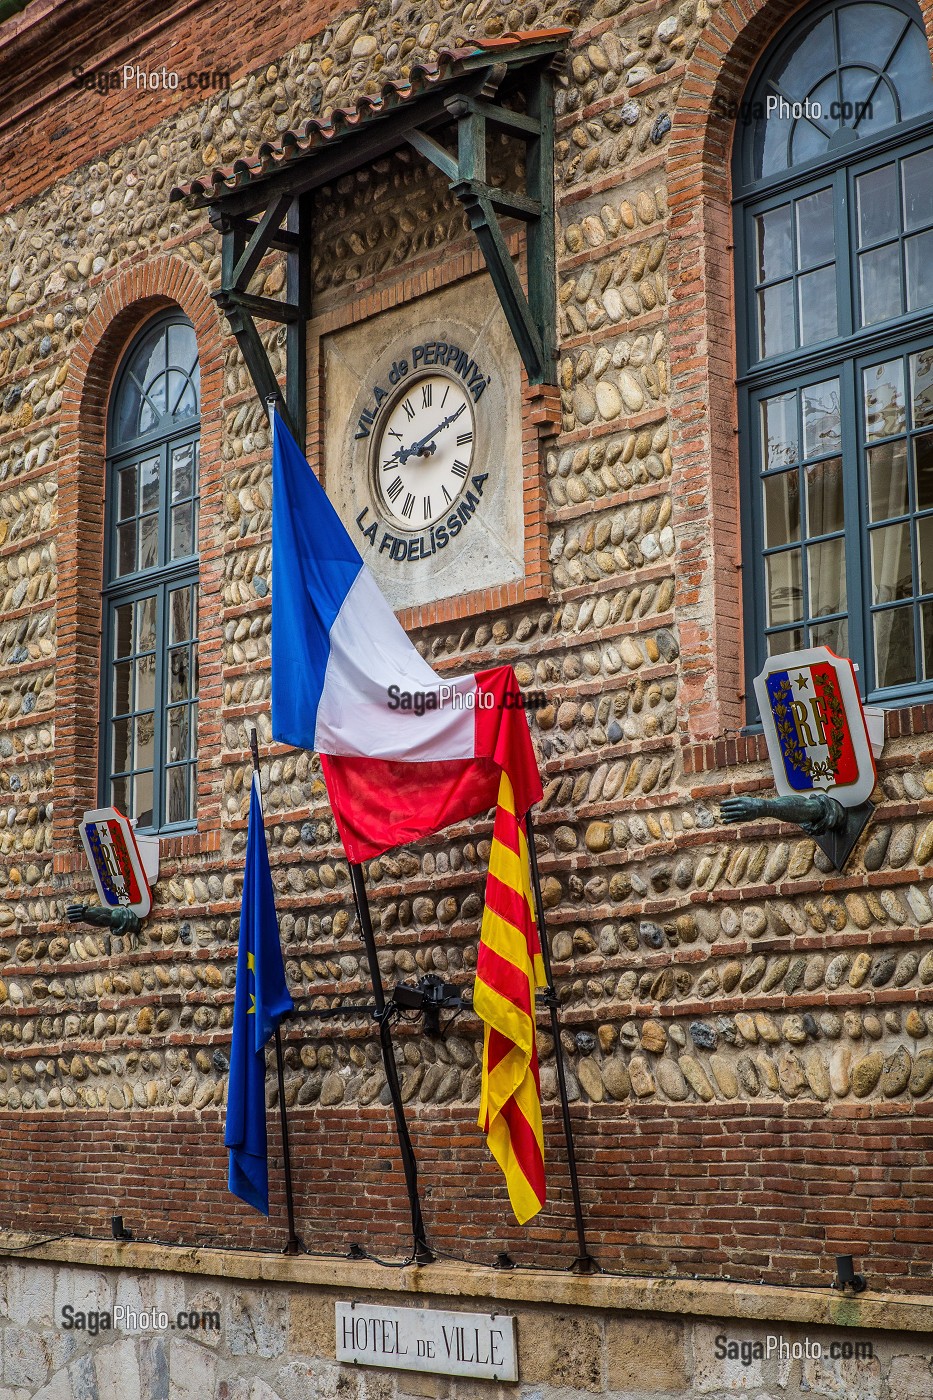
420 432
423 448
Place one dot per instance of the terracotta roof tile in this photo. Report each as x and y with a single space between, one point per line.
316 132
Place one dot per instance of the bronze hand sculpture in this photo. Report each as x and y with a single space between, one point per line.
816 814
119 920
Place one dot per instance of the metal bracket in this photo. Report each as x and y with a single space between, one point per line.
245 243
532 318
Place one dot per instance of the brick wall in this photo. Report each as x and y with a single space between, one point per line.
748 1192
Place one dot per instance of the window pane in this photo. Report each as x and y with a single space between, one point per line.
149 484
920 271
824 497
910 71
145 729
883 387
816 292
926 628
179 615
182 472
785 587
123 630
816 242
827 565
776 330
868 29
121 756
791 640
123 687
178 732
182 346
182 532
923 458
917 178
887 480
779 431
142 795
921 388
180 673
148 541
145 683
120 798
880 281
832 634
822 422
126 548
891 571
782 508
146 623
925 552
876 193
775 245
808 142
176 785
127 493
894 647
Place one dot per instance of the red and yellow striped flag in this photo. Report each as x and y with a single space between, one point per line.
508 970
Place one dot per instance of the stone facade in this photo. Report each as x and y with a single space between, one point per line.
276 1336
720 981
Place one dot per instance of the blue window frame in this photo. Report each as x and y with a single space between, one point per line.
149 706
833 178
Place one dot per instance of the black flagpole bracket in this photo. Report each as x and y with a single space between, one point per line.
384 1013
584 1262
293 1244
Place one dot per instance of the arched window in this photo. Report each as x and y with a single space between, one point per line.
833 176
150 671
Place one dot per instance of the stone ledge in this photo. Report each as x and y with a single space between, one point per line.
681 1297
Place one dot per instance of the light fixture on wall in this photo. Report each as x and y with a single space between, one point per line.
846 1277
118 1229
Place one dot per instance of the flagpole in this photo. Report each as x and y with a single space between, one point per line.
293 1244
584 1262
422 1252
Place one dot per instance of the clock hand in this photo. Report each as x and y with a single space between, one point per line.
420 448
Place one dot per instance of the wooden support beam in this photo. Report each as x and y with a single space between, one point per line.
259 243
485 225
298 293
542 256
264 307
434 152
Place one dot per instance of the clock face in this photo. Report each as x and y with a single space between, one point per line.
423 451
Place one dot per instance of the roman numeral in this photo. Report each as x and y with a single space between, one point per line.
389 465
464 438
448 499
426 514
426 396
393 433
395 490
455 416
407 507
460 469
410 412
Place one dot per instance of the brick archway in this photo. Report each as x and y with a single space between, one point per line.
705 483
125 304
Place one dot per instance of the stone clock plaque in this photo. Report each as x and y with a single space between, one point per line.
421 426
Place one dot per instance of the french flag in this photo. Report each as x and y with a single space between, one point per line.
342 667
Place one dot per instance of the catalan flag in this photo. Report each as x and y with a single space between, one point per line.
509 968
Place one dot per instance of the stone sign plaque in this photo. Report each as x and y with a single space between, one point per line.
422 1339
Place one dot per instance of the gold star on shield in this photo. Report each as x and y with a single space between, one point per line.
801 682
251 965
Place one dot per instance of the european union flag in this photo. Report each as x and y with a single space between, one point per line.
261 1000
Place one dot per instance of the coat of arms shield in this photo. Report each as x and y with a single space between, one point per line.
815 726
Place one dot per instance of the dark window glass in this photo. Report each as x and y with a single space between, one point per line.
149 760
